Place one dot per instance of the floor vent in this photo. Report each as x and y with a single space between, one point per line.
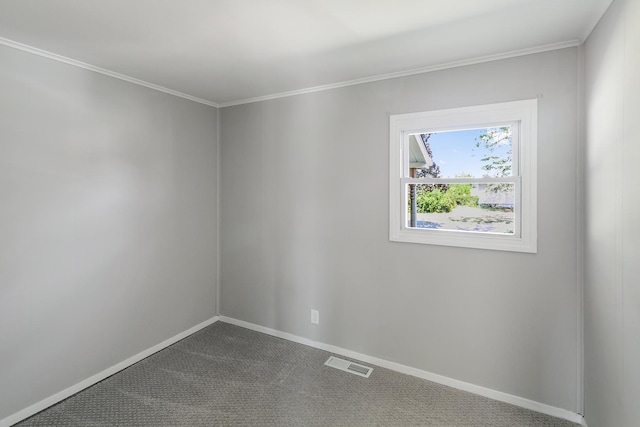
345 365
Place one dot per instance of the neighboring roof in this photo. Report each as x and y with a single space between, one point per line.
418 154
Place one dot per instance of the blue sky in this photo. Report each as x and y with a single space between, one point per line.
456 153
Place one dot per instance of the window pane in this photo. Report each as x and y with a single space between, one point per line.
479 207
472 153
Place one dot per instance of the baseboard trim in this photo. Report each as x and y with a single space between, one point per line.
70 391
440 379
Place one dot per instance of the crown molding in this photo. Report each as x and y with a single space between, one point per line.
431 68
104 71
422 70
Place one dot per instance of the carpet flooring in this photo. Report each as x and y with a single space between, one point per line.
225 375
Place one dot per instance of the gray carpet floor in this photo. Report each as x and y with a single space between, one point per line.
225 375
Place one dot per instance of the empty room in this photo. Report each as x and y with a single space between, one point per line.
319 213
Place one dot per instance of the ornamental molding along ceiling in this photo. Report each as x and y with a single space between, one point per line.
229 52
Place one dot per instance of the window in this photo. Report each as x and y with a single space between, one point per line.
465 177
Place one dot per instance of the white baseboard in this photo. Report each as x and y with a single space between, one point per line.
460 385
52 400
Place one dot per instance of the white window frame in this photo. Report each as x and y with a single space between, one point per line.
523 116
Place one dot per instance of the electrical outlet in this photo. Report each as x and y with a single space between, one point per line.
315 317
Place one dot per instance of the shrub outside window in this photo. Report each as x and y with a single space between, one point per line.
465 177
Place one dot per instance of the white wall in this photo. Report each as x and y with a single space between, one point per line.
612 234
107 223
304 224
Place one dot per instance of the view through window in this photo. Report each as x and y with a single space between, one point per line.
458 198
465 177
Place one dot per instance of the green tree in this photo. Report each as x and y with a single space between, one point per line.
435 201
497 161
461 194
438 200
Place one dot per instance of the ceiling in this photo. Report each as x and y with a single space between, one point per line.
229 51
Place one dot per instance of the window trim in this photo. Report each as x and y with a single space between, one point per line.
524 113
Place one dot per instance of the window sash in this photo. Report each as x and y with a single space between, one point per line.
517 205
524 173
515 141
485 180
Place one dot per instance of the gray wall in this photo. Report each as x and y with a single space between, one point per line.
304 224
612 235
107 223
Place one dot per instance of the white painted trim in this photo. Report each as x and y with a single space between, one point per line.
70 391
218 209
454 64
580 230
440 379
523 112
431 68
69 61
